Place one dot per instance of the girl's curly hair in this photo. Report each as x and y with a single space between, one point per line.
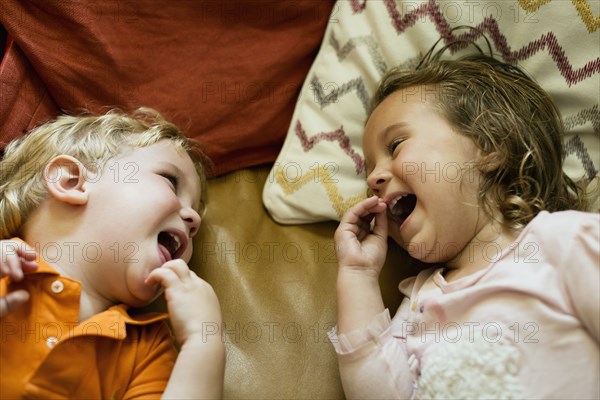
511 119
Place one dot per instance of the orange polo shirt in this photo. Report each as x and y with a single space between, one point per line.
45 353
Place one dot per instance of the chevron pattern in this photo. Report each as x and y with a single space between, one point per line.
326 180
583 8
584 116
338 136
585 12
351 44
358 6
577 147
324 99
544 53
532 5
490 27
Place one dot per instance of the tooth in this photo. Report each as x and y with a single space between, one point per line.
177 241
394 201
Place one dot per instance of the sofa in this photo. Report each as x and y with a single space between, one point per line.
277 93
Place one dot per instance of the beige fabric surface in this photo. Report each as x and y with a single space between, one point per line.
276 285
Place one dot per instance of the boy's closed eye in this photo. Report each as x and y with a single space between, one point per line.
173 179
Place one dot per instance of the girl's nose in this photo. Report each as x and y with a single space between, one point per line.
377 181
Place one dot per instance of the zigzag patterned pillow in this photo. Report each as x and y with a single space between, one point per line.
320 170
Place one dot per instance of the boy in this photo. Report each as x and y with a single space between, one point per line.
98 215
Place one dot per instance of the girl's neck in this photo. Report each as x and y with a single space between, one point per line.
483 249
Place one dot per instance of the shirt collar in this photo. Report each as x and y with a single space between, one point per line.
115 314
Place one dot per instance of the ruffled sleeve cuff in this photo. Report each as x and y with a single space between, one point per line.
362 339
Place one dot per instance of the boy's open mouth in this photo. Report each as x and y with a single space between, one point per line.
400 207
172 242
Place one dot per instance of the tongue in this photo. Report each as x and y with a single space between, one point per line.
165 252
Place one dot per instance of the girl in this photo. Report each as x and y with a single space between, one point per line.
464 159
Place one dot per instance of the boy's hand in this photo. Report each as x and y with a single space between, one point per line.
16 259
196 320
193 306
358 248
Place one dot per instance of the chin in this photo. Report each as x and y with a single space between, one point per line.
138 303
143 297
421 251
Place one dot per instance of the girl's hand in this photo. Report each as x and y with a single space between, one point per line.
358 247
16 259
193 306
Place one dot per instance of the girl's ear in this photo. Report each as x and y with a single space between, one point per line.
65 178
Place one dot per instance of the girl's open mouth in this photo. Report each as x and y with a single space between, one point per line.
401 207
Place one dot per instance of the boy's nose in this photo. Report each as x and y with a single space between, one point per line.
377 181
192 220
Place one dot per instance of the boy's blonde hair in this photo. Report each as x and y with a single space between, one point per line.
91 139
512 120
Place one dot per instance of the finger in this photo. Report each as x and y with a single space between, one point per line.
12 266
178 266
381 225
17 258
22 249
169 273
29 266
12 301
26 251
163 276
15 267
364 211
358 219
364 207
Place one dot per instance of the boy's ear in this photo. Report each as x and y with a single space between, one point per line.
65 180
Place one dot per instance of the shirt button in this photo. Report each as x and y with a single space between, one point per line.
57 286
51 341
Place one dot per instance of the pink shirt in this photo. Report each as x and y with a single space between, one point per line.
527 326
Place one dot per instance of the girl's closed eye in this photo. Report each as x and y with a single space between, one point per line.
393 145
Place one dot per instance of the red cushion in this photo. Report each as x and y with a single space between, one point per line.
227 72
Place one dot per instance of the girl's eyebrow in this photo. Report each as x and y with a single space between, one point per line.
391 128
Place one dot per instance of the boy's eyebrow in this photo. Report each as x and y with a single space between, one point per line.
170 164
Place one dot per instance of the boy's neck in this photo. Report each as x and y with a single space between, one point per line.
61 251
